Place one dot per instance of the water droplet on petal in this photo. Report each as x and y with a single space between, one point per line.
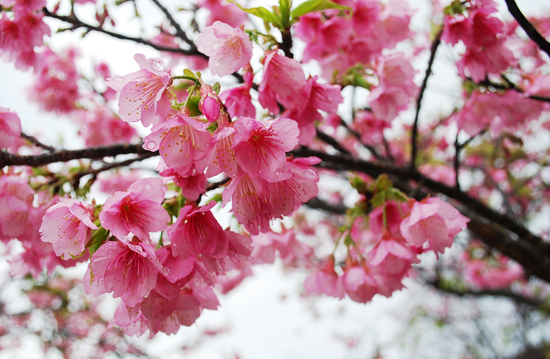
148 187
150 145
157 64
117 78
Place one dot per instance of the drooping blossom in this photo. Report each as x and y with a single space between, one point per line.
313 97
144 94
283 78
359 284
260 147
222 157
434 221
287 196
229 48
291 250
191 183
10 127
137 210
197 232
239 248
129 270
238 100
248 201
325 281
68 226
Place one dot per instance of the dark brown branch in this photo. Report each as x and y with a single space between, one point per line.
331 141
488 292
179 31
317 203
9 159
37 143
79 24
414 135
127 162
343 163
511 86
286 44
526 25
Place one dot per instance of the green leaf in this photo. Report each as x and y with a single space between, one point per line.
348 241
98 238
216 88
262 13
284 9
189 73
315 5
193 106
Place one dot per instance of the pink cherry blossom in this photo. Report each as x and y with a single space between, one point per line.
287 196
58 92
15 202
222 157
260 147
249 202
326 281
128 270
197 232
239 249
181 141
229 48
10 127
68 226
314 97
238 100
283 78
221 10
102 127
434 221
144 94
359 284
138 210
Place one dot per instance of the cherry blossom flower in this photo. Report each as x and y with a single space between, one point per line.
283 78
260 147
181 141
128 270
221 10
229 48
144 94
197 232
326 281
434 221
68 226
138 210
238 100
10 127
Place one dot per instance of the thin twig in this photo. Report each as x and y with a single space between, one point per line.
37 143
179 31
414 135
528 27
79 24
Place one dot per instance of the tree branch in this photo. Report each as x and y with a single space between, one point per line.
37 143
414 135
488 292
347 163
179 31
9 159
79 24
528 27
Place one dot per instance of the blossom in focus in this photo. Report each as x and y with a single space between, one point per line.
229 48
260 147
144 94
68 226
138 210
